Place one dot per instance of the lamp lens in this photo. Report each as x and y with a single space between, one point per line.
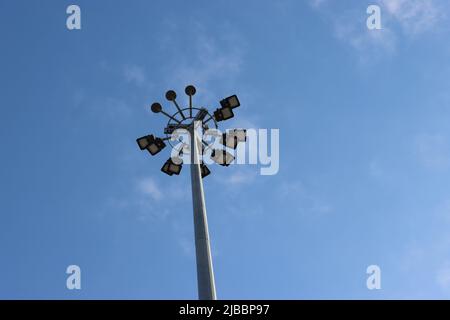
174 168
142 142
153 149
233 102
240 134
165 169
227 113
228 158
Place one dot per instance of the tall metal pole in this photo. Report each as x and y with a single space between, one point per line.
205 273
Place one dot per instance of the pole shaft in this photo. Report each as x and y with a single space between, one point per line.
205 273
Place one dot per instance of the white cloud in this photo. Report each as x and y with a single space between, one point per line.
213 59
212 62
349 26
187 247
149 187
305 200
316 3
240 177
368 43
415 16
134 74
426 255
145 200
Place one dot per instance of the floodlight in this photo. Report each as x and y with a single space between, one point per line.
229 140
165 168
230 102
223 114
152 144
171 167
233 137
240 134
222 157
205 170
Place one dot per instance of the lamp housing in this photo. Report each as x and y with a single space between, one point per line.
223 114
170 168
230 102
222 157
151 144
204 170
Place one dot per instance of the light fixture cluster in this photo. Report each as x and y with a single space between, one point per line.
226 110
231 139
151 144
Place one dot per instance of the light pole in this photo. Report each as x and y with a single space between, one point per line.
191 123
205 273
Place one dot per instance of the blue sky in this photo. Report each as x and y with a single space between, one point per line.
364 148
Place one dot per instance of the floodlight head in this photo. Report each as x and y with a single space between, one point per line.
222 157
142 142
223 114
171 95
204 170
156 107
190 90
165 168
233 137
171 167
229 140
152 144
230 102
240 134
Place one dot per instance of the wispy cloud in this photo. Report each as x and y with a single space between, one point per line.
134 74
213 61
145 201
349 27
399 17
317 3
187 247
305 201
368 43
427 256
414 16
240 177
149 187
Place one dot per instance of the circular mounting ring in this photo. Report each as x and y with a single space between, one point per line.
187 121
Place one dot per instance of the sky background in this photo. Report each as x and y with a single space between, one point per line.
364 148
